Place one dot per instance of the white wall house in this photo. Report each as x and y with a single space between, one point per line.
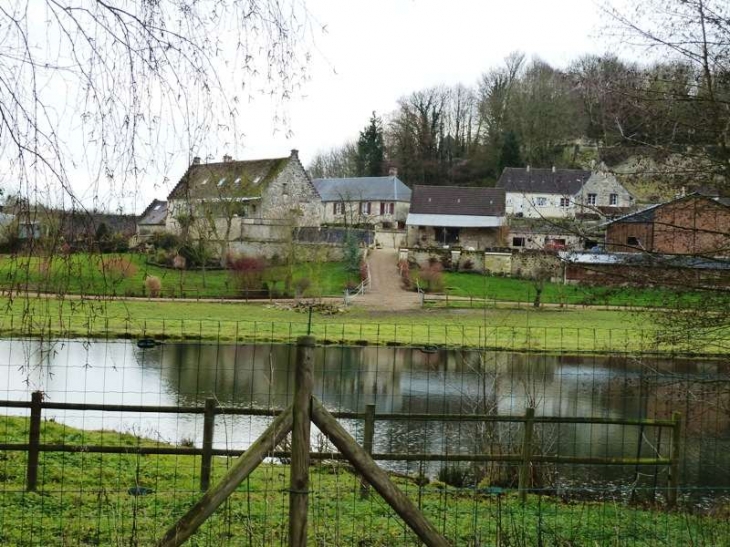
562 193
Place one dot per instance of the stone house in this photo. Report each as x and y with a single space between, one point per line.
532 234
380 202
563 193
453 216
152 220
690 225
243 206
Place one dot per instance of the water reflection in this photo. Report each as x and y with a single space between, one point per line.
396 379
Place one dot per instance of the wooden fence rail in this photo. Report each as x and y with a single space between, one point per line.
524 459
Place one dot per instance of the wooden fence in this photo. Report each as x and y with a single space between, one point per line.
211 409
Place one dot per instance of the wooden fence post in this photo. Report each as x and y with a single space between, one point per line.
34 441
524 483
674 455
300 441
368 435
206 462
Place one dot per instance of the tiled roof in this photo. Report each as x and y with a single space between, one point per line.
647 215
362 189
155 214
243 178
566 182
457 200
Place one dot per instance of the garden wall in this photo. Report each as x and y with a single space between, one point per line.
515 264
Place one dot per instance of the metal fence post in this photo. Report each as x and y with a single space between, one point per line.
34 441
300 442
206 462
674 455
368 435
524 480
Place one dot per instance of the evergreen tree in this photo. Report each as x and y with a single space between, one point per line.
509 154
371 149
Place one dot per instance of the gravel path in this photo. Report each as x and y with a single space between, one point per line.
385 285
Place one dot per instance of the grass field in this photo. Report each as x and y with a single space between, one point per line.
546 329
521 290
124 275
85 499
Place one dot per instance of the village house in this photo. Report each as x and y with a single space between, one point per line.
153 220
452 216
243 206
562 193
379 202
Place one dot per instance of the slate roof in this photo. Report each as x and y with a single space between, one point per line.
154 214
647 215
565 182
457 200
362 189
241 178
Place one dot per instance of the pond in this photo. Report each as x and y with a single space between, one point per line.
403 380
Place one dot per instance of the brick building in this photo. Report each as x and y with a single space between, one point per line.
690 225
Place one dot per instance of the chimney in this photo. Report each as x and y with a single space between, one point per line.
295 153
196 160
227 158
553 169
528 168
393 172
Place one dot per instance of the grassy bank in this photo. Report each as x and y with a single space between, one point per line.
124 275
85 499
522 290
550 329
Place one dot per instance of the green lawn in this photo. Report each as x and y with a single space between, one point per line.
545 329
85 499
521 290
124 275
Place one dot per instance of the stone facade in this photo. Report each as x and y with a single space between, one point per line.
259 201
598 194
375 213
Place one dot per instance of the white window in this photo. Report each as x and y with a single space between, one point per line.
339 208
541 201
613 199
565 202
518 241
591 199
365 207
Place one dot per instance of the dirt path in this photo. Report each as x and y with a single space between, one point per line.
385 285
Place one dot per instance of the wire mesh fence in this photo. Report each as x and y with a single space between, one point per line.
449 404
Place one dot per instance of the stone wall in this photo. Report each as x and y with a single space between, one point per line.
522 264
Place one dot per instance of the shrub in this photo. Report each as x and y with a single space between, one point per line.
179 262
248 271
165 240
301 285
117 268
432 278
161 256
363 271
404 269
468 265
153 285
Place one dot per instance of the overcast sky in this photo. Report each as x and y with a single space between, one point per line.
375 51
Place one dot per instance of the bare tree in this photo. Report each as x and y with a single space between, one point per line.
114 87
695 34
